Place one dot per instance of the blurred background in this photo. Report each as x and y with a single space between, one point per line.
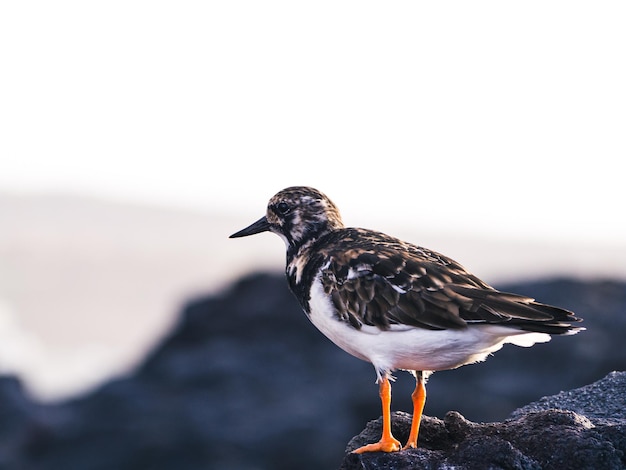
136 136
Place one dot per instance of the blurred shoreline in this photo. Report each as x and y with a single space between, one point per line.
88 286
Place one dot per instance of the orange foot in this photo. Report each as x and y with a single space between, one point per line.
384 445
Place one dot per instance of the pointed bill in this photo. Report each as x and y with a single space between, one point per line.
259 226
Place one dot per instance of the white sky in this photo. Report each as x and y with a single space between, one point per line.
503 118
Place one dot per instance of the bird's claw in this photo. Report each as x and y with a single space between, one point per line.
384 445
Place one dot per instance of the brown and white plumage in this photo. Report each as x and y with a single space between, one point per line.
392 303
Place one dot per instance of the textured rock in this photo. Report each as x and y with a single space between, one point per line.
543 435
538 437
602 402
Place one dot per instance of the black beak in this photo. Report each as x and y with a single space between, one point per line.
261 225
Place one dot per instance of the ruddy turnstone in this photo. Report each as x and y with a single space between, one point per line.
395 304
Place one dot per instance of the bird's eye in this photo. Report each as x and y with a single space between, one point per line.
282 208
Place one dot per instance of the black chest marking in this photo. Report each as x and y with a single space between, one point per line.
311 260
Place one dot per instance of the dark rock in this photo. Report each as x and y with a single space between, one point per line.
599 402
538 437
244 381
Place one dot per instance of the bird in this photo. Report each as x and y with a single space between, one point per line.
394 304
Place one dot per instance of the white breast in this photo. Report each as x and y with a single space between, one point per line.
412 348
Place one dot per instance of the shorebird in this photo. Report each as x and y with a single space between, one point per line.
395 304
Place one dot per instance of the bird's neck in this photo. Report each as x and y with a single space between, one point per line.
301 243
298 255
303 263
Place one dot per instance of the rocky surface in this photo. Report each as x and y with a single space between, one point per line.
602 402
543 435
244 381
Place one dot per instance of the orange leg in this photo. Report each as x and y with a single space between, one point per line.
419 399
387 442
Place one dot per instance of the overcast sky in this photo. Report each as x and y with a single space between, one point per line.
497 118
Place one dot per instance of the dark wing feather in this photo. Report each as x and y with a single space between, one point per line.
386 282
385 287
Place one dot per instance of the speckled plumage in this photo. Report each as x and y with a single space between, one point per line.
395 304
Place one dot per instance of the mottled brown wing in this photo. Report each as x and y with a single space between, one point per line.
423 289
386 288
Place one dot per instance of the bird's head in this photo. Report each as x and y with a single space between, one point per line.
297 214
